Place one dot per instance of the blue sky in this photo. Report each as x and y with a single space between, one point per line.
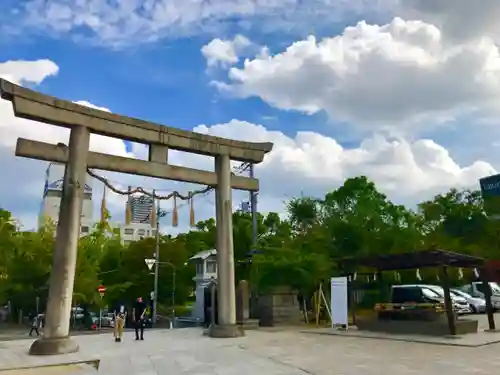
160 83
383 89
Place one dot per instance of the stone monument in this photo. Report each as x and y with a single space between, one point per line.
243 307
280 307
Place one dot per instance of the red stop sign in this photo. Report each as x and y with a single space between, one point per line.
101 289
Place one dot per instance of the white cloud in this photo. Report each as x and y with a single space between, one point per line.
314 163
23 193
27 176
397 74
225 52
29 71
308 161
458 19
120 23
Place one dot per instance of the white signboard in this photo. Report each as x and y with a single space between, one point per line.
339 300
150 263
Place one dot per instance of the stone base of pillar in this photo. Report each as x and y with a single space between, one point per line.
225 331
54 346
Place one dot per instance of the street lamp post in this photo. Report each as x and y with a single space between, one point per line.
157 263
173 291
150 263
253 206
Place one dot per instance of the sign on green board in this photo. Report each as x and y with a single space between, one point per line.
490 189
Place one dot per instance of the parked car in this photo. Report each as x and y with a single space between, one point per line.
477 305
410 302
77 312
460 305
106 320
476 289
435 294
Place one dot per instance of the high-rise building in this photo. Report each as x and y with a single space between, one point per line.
51 199
141 209
138 213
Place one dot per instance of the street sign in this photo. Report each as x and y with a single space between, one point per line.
490 190
150 263
101 290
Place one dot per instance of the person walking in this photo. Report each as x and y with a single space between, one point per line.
120 318
138 318
35 323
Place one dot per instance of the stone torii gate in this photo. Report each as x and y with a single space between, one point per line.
82 121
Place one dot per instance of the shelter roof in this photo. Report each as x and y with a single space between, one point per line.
415 259
203 255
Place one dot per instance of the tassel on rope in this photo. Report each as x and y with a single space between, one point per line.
397 276
476 273
128 208
417 274
153 214
175 214
192 222
103 207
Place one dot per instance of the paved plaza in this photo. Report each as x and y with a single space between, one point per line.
277 352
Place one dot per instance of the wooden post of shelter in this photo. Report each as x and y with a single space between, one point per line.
351 297
487 297
448 305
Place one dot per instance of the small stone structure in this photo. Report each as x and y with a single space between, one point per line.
281 306
437 327
206 272
243 307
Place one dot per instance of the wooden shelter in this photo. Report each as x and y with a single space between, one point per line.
434 258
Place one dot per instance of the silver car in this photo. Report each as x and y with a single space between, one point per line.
460 304
476 289
477 305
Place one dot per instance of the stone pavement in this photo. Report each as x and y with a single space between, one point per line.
287 352
472 340
78 369
23 334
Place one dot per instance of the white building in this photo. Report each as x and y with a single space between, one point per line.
51 199
133 231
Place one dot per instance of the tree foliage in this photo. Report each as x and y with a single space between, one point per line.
299 250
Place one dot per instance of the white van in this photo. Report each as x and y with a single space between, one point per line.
476 289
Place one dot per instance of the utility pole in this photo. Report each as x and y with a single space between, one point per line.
253 203
157 261
160 214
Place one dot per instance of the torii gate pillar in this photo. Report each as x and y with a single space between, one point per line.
226 308
56 331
